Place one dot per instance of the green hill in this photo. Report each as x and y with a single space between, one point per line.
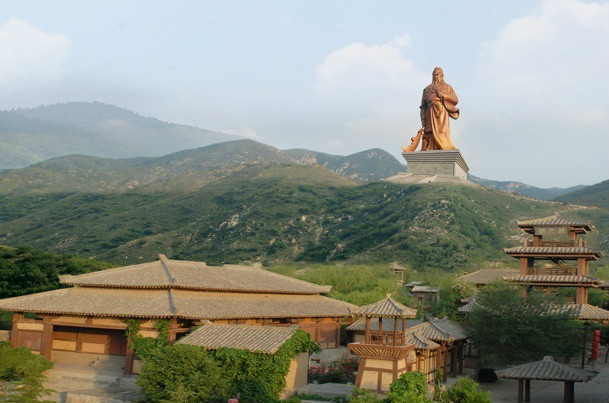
277 213
524 189
596 195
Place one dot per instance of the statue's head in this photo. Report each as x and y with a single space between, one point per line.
438 75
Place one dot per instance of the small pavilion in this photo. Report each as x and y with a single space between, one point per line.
546 370
385 353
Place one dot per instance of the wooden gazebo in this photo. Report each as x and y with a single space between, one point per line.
385 354
546 370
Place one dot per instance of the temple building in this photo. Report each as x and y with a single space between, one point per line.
93 314
557 256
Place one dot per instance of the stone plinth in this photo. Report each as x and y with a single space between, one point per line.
449 163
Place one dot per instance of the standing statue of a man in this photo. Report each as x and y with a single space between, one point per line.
438 103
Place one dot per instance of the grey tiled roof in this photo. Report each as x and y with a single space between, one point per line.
547 370
260 339
470 306
440 330
486 276
387 307
420 342
554 221
176 303
583 312
181 274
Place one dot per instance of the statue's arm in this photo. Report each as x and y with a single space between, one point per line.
449 96
423 107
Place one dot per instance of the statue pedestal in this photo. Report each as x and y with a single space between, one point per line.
448 163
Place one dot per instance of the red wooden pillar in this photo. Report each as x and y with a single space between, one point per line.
46 341
17 317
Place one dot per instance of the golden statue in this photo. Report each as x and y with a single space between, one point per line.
437 105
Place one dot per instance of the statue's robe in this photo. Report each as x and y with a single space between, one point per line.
436 113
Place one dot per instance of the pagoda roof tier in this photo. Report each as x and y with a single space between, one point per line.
387 307
180 274
186 304
561 252
578 226
558 280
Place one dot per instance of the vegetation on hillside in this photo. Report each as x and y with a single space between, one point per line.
277 214
21 379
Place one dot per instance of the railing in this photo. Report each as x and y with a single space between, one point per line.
552 271
556 244
386 338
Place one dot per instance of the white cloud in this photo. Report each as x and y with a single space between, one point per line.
542 90
30 57
374 91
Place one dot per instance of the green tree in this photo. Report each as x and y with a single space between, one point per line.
465 390
21 379
511 328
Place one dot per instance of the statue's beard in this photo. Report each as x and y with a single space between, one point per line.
438 80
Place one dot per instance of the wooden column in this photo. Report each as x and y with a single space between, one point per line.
461 357
520 387
581 295
453 361
381 331
569 392
46 341
524 264
129 357
337 333
445 362
367 331
171 332
527 390
17 317
403 331
395 332
582 267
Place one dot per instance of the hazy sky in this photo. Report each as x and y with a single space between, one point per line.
334 76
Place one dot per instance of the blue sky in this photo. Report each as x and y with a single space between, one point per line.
339 76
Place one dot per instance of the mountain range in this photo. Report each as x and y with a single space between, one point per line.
30 136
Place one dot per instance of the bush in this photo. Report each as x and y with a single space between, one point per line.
365 396
340 371
410 387
21 374
182 373
465 390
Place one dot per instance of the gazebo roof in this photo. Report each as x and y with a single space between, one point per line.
547 370
387 307
554 221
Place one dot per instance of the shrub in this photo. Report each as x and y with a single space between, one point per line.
21 373
487 375
465 390
340 371
365 396
182 373
410 387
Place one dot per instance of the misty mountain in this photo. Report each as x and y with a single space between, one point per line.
32 135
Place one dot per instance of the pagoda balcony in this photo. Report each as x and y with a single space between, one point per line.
386 338
556 244
552 271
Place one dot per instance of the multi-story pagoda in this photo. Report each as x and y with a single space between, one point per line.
557 256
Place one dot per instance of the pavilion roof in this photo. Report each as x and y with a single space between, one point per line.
486 276
258 339
563 252
181 274
440 330
387 307
554 221
188 304
547 370
420 342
